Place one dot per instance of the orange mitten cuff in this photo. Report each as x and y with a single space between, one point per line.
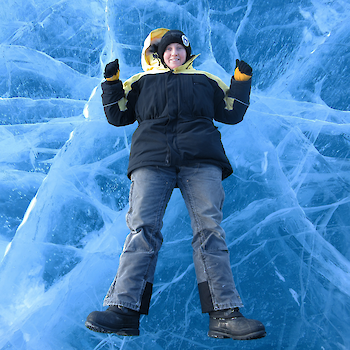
114 77
239 76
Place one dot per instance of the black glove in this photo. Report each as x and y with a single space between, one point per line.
244 67
111 69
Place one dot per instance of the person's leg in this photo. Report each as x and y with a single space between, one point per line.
150 192
131 290
204 195
201 187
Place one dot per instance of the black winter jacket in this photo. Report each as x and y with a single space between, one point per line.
175 110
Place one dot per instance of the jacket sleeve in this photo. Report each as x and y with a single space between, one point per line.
118 109
235 102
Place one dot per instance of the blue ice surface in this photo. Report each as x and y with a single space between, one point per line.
64 190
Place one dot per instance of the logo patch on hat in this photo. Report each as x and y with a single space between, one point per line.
185 41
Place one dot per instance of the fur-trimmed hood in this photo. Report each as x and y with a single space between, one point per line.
150 61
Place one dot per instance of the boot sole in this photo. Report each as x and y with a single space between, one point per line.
250 336
122 331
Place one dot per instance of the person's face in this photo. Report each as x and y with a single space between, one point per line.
174 55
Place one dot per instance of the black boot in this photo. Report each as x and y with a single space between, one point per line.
116 319
231 323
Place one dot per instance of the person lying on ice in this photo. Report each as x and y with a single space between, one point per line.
175 145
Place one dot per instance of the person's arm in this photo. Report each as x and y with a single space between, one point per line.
238 96
118 110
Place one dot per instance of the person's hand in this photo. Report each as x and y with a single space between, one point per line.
111 72
243 71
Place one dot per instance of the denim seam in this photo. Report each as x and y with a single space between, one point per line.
156 226
130 203
200 229
159 214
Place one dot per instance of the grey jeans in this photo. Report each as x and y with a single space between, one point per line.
150 191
